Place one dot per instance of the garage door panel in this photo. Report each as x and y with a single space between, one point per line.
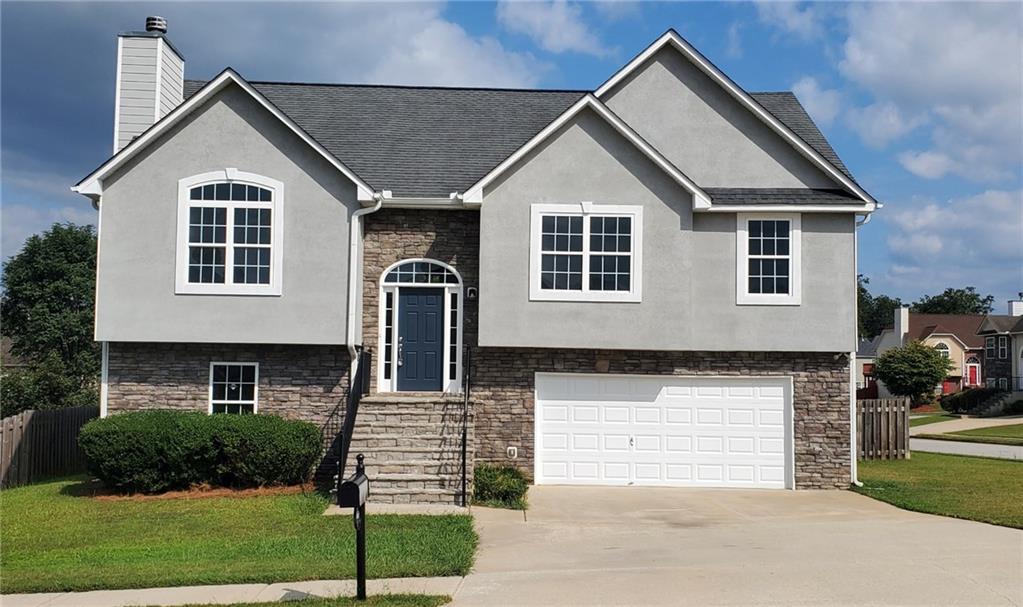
647 430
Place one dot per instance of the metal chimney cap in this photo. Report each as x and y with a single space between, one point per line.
156 24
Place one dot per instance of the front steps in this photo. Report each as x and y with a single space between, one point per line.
413 447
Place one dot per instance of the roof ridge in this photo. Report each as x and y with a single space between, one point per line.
410 86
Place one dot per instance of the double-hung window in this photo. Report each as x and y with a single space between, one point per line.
1003 346
586 252
989 347
233 387
768 259
229 234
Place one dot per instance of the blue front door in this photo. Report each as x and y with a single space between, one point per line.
420 339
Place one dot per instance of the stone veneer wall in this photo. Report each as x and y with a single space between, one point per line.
503 384
295 382
391 235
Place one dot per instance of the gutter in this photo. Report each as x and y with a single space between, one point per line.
853 455
354 242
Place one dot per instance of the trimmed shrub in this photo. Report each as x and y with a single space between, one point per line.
156 451
501 486
966 401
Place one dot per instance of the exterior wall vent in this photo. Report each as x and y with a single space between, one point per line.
156 24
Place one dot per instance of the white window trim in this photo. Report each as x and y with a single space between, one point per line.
742 295
449 386
586 210
1003 346
989 347
181 284
255 391
943 349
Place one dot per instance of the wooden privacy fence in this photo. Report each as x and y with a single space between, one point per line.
882 425
37 444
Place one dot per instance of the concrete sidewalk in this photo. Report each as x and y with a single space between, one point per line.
967 423
232 593
949 447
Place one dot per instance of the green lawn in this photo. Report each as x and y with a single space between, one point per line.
380 600
1008 435
979 489
55 540
931 419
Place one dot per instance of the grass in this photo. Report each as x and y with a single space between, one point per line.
508 504
1008 431
931 419
965 438
56 540
379 600
974 488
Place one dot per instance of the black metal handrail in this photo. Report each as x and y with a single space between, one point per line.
356 390
467 380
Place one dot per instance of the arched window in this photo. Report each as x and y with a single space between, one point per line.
422 272
942 349
229 234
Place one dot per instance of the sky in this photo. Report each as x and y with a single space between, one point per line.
922 100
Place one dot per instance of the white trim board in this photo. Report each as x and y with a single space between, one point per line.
689 52
92 185
474 194
742 295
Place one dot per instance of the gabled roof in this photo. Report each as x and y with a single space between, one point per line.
474 194
962 326
867 348
1000 323
92 185
673 39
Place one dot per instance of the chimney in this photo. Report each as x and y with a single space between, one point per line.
1016 306
902 323
150 79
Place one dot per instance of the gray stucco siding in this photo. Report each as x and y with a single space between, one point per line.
705 132
689 262
136 298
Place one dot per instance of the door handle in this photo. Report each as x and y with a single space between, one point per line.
401 351
632 441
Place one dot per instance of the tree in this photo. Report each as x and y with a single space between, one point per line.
47 311
875 312
955 301
912 370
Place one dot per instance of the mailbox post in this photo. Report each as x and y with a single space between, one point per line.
352 493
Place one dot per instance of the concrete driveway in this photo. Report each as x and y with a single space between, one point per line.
652 546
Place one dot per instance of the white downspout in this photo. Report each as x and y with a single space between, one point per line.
354 241
853 455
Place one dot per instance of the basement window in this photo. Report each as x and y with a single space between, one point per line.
233 387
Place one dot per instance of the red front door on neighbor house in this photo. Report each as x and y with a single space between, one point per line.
950 385
973 374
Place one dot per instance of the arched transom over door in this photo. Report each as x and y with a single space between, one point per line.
420 343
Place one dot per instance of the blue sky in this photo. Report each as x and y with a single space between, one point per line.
921 100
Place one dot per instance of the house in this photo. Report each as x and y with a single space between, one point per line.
866 354
650 283
1003 347
954 335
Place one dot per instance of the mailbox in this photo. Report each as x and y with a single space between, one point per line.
353 491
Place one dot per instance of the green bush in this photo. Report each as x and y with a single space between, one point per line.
155 451
501 486
966 401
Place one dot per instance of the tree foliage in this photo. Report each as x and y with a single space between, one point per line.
47 311
955 301
912 370
875 311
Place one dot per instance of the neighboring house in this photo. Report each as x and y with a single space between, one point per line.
954 335
7 359
1003 347
866 354
650 283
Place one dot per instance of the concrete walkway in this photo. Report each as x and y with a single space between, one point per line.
964 448
233 593
966 423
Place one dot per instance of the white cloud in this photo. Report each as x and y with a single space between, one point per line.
734 47
822 104
880 123
955 67
804 23
974 240
21 221
616 10
556 26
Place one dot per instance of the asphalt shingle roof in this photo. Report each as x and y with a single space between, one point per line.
760 196
431 141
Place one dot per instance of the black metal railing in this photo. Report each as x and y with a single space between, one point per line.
358 388
466 390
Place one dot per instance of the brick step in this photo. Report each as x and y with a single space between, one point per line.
389 495
402 426
430 469
405 441
411 398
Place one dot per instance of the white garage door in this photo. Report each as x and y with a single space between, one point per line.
671 431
